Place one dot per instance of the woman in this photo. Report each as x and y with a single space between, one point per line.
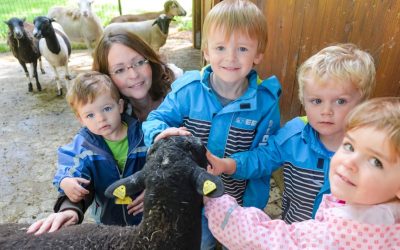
138 72
143 80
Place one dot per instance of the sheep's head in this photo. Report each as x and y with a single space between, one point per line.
163 22
43 26
173 8
175 164
85 7
16 27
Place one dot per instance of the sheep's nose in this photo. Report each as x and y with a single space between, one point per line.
18 35
36 33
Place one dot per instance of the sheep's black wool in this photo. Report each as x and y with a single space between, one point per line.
173 176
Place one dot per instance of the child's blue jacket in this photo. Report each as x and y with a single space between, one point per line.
297 148
239 126
88 153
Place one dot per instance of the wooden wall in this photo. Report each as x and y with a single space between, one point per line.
299 28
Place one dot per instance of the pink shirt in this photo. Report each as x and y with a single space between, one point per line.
336 226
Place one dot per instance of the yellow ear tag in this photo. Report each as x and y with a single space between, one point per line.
208 187
126 200
120 192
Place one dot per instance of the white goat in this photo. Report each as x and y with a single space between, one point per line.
81 25
171 8
153 32
53 45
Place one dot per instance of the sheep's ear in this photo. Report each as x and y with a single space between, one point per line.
133 184
23 19
207 184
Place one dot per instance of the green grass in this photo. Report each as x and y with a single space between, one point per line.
105 10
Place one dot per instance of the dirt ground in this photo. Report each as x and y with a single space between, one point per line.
34 125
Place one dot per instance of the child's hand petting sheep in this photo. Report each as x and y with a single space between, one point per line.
72 187
218 166
171 132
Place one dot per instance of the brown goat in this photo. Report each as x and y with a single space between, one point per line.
25 48
171 8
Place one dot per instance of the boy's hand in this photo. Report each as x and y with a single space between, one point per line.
72 187
220 165
171 132
137 205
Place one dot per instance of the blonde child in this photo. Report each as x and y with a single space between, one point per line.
331 83
363 211
107 148
227 105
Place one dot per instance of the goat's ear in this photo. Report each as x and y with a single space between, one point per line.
207 184
133 184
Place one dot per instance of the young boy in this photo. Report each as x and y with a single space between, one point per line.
363 211
331 83
105 149
226 104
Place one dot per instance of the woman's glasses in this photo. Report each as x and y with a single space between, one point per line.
122 70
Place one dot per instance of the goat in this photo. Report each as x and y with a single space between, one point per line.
175 180
171 8
25 48
154 32
81 25
53 45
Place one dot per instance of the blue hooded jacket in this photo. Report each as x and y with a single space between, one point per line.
241 125
89 154
298 149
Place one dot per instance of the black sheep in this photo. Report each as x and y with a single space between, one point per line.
175 180
24 47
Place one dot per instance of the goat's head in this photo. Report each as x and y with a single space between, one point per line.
174 163
163 22
16 27
85 7
43 26
173 8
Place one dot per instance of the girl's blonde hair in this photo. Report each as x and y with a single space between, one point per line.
381 114
87 86
230 16
343 62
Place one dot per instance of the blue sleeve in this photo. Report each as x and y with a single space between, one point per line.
71 162
168 114
259 162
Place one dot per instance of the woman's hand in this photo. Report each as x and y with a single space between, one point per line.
172 132
136 206
54 222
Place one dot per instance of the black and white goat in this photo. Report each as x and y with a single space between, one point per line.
25 48
175 180
54 45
